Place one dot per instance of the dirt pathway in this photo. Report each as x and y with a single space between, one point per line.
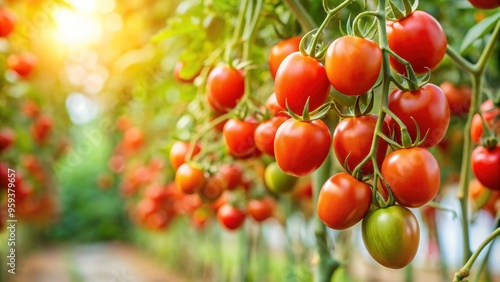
111 262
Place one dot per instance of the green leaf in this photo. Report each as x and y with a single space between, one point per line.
171 31
479 30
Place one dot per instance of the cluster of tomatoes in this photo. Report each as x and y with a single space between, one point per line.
34 195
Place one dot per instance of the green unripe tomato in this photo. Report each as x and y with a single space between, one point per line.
391 236
278 181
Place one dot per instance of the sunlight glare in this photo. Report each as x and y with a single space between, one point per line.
75 29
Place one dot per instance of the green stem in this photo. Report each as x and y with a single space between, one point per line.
326 264
329 16
483 264
459 60
480 66
238 31
465 270
305 20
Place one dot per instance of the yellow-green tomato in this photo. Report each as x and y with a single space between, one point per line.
277 181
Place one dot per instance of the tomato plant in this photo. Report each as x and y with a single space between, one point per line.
301 147
350 59
226 86
180 151
417 38
352 141
299 78
343 201
239 137
486 165
426 107
391 235
266 132
280 51
189 178
261 209
231 217
490 115
413 176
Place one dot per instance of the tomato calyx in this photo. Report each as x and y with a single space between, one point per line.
395 13
406 141
307 116
357 109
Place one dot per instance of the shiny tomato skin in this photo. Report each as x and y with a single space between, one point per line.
239 137
265 133
485 4
277 181
226 87
23 64
179 152
491 116
353 64
391 235
300 77
301 147
419 39
486 166
343 201
413 175
459 97
280 51
261 209
352 140
7 22
231 217
427 106
189 178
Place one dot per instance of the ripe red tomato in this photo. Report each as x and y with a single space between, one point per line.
391 236
7 137
343 201
419 39
280 51
413 175
265 133
485 4
301 147
486 166
491 116
177 73
189 178
300 77
23 64
353 64
273 106
352 140
233 173
179 151
41 128
261 209
226 86
230 216
427 106
7 22
239 137
459 97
